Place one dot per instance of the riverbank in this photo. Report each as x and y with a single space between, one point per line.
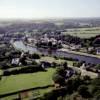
79 53
88 58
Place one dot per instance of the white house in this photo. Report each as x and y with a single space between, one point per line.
15 61
98 51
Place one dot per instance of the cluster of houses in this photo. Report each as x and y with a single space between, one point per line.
46 42
18 60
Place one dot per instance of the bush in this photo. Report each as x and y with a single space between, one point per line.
86 80
5 66
42 55
34 63
96 82
96 90
77 64
97 66
29 69
65 65
69 58
50 96
97 97
6 73
83 91
58 79
54 64
60 71
75 96
56 57
73 84
35 56
56 94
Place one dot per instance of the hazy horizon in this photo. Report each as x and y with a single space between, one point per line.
49 9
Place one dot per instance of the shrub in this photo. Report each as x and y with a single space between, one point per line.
56 57
54 64
60 71
50 96
73 84
35 56
86 80
96 82
65 65
75 96
96 90
29 69
70 59
56 94
34 63
83 91
6 73
77 64
58 79
97 66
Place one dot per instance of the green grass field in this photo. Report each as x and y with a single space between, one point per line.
33 93
52 59
19 82
83 32
15 83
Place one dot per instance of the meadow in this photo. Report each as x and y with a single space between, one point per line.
14 83
83 32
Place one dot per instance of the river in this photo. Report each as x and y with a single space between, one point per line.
88 59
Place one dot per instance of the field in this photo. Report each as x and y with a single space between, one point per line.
19 82
58 61
83 32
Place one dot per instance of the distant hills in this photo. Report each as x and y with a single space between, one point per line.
22 25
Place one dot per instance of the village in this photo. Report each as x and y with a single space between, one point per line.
63 57
50 59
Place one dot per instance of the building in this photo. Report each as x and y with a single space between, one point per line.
98 50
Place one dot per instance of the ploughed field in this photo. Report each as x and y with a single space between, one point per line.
83 32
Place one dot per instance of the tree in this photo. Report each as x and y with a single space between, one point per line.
96 82
52 95
75 96
73 84
23 60
98 66
60 71
35 56
83 91
96 90
65 65
50 44
58 79
87 44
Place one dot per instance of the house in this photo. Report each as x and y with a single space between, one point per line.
96 42
69 72
15 61
98 50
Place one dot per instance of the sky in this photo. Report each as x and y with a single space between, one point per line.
38 9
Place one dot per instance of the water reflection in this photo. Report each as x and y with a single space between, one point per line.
20 45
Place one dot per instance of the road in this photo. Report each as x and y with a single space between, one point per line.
85 72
